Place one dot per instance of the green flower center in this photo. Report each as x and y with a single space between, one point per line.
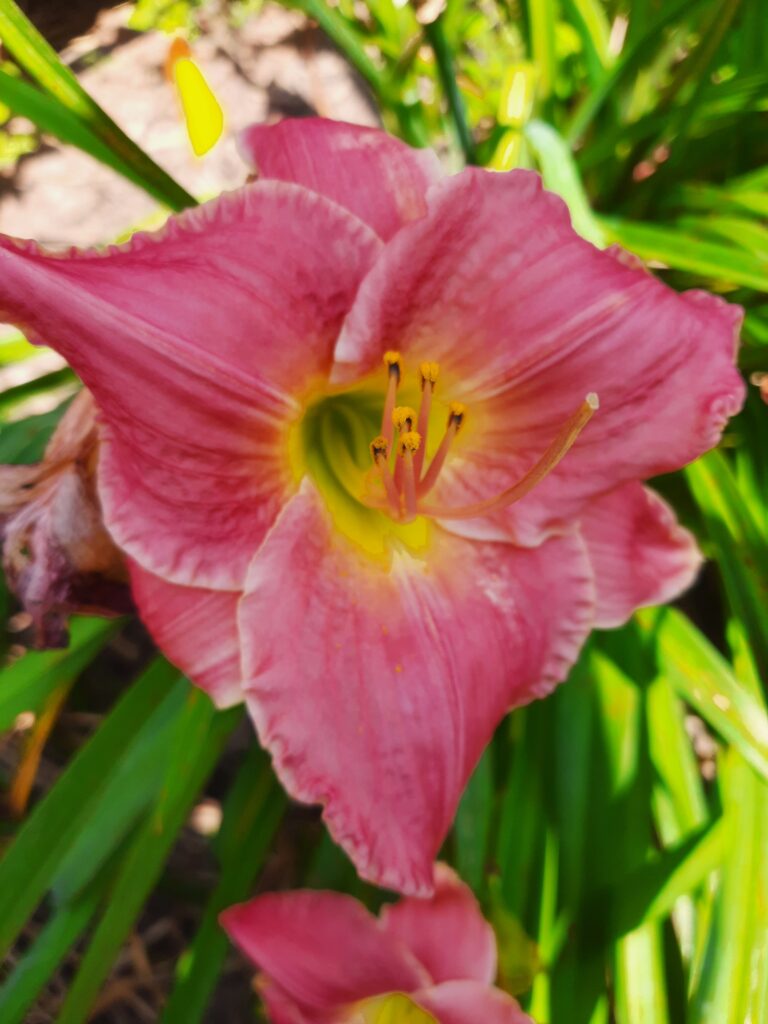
332 444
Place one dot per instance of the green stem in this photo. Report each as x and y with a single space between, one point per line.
444 59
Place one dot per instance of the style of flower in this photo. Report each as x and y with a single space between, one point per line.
325 959
351 447
57 556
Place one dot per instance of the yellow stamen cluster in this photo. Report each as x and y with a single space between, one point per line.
428 372
403 417
410 441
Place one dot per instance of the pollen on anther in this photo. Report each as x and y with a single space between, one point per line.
410 441
393 362
456 414
379 446
403 417
428 372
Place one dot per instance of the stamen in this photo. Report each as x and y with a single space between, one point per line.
410 442
559 447
394 366
428 374
403 418
379 454
456 413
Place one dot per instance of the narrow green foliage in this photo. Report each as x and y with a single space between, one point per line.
36 56
204 732
251 816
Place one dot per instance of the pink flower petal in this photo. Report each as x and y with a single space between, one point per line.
281 1009
196 629
376 690
447 933
469 1002
323 949
380 179
526 319
639 552
196 342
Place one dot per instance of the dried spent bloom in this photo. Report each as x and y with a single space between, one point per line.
760 379
57 555
374 442
325 959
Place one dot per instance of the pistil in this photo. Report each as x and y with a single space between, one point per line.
380 455
559 447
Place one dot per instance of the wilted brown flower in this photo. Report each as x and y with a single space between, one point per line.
57 556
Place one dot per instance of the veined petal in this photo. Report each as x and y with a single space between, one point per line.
469 1002
376 690
526 319
196 629
281 1009
196 341
640 554
323 949
375 176
447 933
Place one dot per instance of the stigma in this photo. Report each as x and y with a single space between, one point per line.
408 481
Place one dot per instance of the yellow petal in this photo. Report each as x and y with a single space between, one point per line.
202 111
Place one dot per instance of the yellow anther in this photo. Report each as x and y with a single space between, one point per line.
428 372
393 363
456 413
410 441
379 446
403 417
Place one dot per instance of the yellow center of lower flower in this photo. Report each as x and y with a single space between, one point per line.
374 505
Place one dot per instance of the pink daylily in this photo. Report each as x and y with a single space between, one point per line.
381 612
324 958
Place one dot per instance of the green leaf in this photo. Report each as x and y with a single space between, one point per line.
705 680
200 735
732 986
472 827
50 947
561 175
133 782
649 892
29 866
724 264
592 24
251 816
27 683
741 546
41 62
636 54
542 17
